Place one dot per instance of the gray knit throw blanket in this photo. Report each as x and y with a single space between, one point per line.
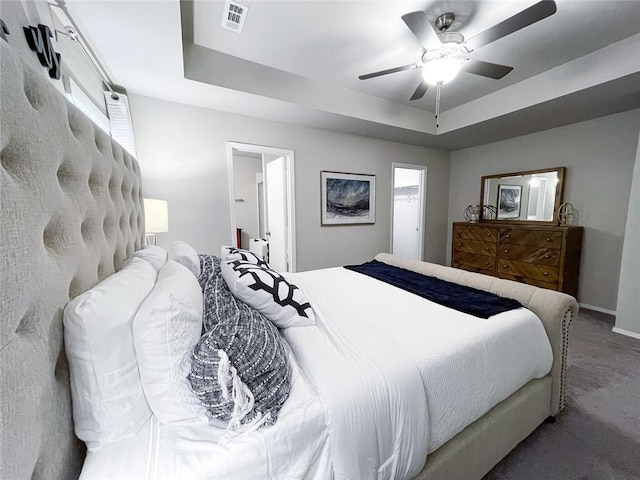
239 368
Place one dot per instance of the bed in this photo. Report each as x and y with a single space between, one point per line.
72 216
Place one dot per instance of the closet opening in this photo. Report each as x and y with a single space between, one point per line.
408 201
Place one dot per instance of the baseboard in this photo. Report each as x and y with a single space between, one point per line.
626 333
598 309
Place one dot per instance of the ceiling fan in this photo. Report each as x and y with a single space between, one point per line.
442 63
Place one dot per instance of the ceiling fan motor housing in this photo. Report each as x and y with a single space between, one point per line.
451 37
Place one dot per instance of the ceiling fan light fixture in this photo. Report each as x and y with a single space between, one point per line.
441 70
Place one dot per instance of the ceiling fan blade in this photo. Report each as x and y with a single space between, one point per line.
420 91
420 26
486 69
387 72
527 17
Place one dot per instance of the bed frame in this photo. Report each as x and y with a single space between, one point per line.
72 214
479 447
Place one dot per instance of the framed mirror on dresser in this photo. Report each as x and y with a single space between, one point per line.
518 237
532 196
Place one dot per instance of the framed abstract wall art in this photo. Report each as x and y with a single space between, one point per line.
348 198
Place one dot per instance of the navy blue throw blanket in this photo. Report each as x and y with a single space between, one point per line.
459 297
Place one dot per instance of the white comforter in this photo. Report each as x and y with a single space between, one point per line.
370 387
383 379
467 364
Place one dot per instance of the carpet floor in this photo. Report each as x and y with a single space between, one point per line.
597 435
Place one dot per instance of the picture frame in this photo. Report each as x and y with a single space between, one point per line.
347 198
509 197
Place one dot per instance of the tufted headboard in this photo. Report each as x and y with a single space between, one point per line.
71 206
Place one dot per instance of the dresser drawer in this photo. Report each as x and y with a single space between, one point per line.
470 268
539 255
474 246
541 273
529 281
463 259
474 232
534 238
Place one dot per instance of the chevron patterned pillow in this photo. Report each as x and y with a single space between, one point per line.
268 292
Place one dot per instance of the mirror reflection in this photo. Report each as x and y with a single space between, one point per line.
523 196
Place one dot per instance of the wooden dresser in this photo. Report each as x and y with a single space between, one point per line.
544 256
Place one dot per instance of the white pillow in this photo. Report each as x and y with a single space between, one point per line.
108 401
185 254
167 327
268 292
154 254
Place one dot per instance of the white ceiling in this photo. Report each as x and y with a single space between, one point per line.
299 61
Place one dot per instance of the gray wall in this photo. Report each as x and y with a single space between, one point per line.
628 317
599 155
183 156
18 14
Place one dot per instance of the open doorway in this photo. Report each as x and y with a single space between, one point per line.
407 212
262 202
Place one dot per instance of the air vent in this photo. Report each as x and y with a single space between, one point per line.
234 16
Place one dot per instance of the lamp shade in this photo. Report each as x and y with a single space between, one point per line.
156 218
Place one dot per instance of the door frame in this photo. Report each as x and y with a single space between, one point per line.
290 214
423 201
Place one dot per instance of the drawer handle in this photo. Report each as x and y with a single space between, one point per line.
505 265
486 248
506 250
546 256
545 273
459 244
488 234
508 235
486 263
548 239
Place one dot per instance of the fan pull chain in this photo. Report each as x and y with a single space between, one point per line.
438 104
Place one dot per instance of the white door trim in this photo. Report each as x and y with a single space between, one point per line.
289 157
423 201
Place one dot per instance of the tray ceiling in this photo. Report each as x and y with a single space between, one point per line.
299 61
